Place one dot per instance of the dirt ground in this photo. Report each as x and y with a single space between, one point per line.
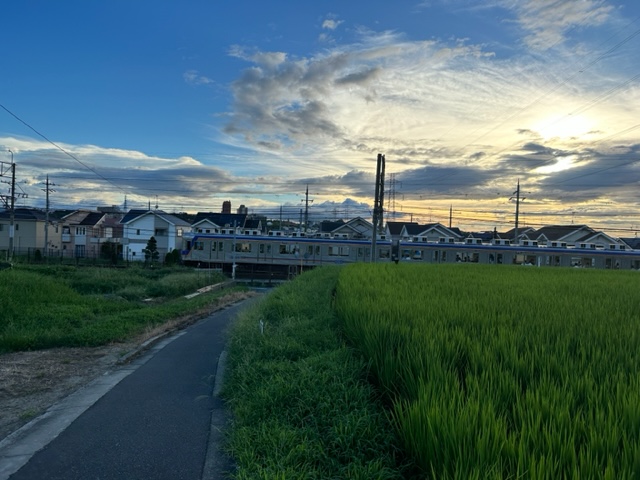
30 382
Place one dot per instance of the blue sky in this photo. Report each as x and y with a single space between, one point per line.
194 103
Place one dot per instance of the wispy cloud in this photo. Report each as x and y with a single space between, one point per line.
192 77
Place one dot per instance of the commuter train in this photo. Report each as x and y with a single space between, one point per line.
280 256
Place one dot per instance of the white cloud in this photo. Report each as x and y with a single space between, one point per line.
331 23
548 21
192 77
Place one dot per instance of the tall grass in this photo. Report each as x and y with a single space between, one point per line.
65 306
302 407
503 373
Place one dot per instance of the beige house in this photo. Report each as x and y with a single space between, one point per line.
29 232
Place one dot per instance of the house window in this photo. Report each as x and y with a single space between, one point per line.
160 232
138 231
81 231
108 232
17 227
179 233
80 251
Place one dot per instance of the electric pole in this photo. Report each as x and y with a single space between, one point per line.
517 194
306 209
378 204
47 190
12 211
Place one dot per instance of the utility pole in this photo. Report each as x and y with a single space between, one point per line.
450 215
378 204
306 209
12 208
517 194
47 190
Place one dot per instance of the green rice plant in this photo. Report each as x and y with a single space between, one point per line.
503 372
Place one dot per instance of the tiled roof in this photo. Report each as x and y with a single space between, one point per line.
24 214
395 228
133 214
92 219
222 219
557 232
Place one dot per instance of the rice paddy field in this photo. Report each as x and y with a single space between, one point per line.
502 372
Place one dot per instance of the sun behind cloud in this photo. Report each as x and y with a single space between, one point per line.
565 127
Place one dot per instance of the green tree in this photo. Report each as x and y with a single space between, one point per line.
151 253
172 258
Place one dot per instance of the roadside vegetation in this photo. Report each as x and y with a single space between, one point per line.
65 306
301 403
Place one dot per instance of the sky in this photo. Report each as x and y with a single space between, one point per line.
184 105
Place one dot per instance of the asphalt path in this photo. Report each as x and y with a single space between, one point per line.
160 421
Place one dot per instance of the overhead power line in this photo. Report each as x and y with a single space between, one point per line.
70 155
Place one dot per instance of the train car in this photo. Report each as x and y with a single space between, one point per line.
277 256
584 255
282 256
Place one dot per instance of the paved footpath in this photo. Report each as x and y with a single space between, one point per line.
155 418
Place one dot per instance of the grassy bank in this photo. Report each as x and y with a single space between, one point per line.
44 307
301 404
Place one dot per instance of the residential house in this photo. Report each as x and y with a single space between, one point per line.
524 233
431 232
211 222
393 230
356 228
140 225
85 231
29 232
579 236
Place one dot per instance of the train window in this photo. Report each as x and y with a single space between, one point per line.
220 247
383 253
287 249
243 247
261 248
318 250
268 248
213 246
310 249
339 251
417 254
199 245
